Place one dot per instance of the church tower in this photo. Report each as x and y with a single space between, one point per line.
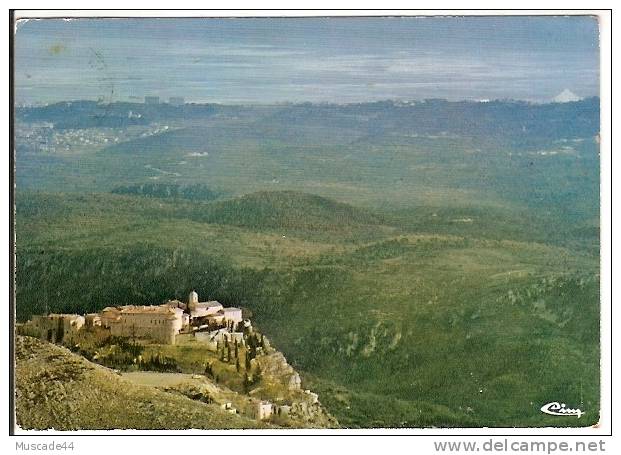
192 300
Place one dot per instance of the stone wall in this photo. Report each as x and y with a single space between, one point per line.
159 327
53 327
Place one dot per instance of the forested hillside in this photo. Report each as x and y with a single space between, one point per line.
420 264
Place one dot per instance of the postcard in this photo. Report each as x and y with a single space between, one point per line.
326 222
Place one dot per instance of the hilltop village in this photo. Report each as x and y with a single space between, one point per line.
224 358
209 321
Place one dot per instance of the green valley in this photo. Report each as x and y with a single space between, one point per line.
421 265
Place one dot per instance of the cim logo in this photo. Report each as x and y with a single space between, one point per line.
559 409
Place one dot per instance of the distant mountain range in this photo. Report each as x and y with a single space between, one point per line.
517 120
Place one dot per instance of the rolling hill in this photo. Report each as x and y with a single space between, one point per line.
286 209
418 320
61 390
425 264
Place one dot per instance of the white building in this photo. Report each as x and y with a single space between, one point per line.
264 410
202 309
213 311
232 314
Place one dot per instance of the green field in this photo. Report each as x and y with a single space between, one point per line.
413 278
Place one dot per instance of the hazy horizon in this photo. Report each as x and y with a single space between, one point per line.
318 60
165 101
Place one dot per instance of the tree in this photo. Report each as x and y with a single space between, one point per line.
246 384
237 364
248 361
134 347
60 331
256 377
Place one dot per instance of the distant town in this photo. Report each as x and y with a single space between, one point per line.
173 100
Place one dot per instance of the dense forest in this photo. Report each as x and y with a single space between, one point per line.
421 264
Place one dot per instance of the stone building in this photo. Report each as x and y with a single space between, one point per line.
202 309
185 321
232 314
92 320
177 304
215 319
161 323
55 327
264 410
158 323
212 313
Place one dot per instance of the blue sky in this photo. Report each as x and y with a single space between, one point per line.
339 60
